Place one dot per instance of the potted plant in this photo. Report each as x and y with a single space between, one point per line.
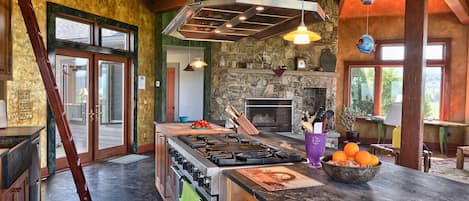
347 118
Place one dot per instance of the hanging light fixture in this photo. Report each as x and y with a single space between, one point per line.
198 63
302 36
189 66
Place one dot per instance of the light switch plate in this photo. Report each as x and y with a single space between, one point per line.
157 83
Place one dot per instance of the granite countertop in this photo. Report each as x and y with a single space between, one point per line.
29 131
393 182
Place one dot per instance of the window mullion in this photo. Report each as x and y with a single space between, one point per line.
377 91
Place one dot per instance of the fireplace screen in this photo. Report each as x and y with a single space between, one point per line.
273 115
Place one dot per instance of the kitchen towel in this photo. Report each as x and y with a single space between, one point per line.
188 193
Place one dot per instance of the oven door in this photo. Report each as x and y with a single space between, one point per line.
180 178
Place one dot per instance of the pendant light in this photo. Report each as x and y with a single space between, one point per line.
366 43
198 63
302 36
189 66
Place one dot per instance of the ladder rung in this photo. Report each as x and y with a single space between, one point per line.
53 94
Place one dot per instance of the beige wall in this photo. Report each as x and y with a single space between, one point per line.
26 86
383 28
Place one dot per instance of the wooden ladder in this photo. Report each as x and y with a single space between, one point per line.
53 96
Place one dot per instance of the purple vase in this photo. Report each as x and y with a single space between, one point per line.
315 144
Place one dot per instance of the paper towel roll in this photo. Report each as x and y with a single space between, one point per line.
3 114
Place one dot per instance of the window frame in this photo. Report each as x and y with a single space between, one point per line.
378 64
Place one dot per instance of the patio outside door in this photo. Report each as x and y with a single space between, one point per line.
94 90
110 105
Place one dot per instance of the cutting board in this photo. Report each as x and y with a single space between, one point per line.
175 129
278 178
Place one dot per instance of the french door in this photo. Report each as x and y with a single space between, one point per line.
95 90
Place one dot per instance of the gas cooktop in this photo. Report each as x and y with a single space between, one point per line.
236 150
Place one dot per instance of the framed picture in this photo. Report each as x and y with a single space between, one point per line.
300 63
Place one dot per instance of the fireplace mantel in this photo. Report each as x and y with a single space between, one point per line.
287 72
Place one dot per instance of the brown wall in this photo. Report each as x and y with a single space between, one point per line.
26 76
389 28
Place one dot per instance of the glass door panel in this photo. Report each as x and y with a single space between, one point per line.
72 77
110 106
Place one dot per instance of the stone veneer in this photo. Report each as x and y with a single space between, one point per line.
232 82
235 85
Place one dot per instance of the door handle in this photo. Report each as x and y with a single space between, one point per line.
91 115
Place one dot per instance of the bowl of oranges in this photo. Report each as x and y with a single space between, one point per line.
351 165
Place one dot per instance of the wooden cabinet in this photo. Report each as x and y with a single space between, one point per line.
237 193
18 191
5 40
162 164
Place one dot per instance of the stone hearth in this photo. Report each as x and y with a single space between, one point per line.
234 85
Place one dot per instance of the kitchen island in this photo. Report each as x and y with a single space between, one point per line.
393 182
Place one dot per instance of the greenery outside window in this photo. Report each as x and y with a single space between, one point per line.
374 85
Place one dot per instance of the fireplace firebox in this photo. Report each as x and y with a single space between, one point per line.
268 114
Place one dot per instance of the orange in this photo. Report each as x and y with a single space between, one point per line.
374 160
350 158
363 158
351 149
338 156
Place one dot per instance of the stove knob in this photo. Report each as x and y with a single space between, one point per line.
182 161
195 173
207 182
186 165
201 179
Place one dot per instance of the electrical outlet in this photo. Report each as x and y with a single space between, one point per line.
157 83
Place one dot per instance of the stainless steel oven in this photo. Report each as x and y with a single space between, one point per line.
181 176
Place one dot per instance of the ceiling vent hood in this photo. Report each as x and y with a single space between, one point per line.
231 20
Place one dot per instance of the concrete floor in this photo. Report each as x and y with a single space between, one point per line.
107 182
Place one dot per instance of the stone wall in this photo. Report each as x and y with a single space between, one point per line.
232 80
235 85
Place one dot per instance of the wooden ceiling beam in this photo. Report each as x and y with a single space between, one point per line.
159 6
460 9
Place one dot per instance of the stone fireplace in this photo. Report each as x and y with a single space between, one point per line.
267 114
307 91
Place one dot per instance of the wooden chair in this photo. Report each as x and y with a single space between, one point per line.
461 151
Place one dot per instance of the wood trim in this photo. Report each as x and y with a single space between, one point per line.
377 95
459 8
146 148
347 83
446 82
159 6
415 37
445 64
104 153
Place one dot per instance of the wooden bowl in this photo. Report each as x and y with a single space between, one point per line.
351 175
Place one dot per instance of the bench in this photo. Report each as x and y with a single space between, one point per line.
387 149
461 151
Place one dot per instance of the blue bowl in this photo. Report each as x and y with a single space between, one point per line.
183 119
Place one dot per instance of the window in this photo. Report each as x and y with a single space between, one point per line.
362 91
80 31
66 29
114 39
374 85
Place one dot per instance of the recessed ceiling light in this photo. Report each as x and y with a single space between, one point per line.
259 8
229 25
242 18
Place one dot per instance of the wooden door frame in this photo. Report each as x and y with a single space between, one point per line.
88 156
112 151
